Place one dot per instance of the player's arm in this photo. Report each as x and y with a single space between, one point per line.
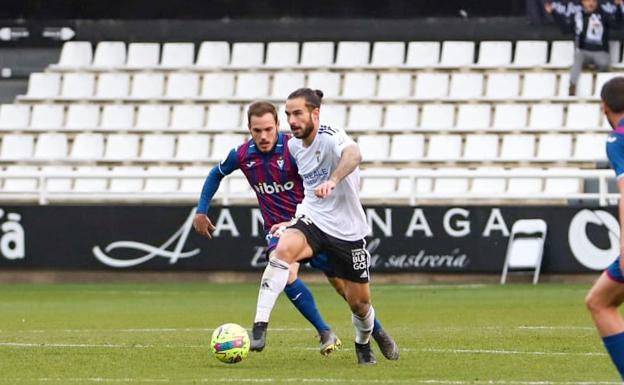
201 222
620 183
350 158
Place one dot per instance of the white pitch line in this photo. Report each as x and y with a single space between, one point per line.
561 327
516 352
141 330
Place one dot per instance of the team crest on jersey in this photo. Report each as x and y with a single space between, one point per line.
317 155
280 162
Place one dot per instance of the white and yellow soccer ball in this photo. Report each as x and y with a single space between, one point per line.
230 343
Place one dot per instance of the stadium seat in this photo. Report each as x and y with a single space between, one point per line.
531 53
539 86
394 86
501 86
252 85
562 185
488 186
602 78
364 117
218 85
47 117
420 186
422 54
113 85
481 147
58 184
213 54
374 147
14 116
317 54
546 117
20 185
388 54
17 147
190 184
51 146
182 86
584 88
450 185
177 55
286 82
78 85
494 54
431 85
75 54
282 54
222 144
554 147
590 147
87 147
437 117
328 82
524 186
223 117
518 147
152 117
334 115
110 54
508 117
121 147
583 116
117 117
466 86
193 147
148 85
43 85
158 147
353 53
444 147
143 55
407 147
359 85
457 54
377 187
90 185
238 185
473 117
82 117
561 54
247 55
400 117
187 117
126 185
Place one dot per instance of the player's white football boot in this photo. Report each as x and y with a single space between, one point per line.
329 342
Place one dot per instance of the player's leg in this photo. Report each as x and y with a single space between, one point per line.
363 318
603 301
575 70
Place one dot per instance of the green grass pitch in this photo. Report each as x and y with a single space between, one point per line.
159 334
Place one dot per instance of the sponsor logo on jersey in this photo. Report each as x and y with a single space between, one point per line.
274 188
250 164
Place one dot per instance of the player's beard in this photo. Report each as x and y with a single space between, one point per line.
306 131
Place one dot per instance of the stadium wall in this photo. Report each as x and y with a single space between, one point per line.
438 240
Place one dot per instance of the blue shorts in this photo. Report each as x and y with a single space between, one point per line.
614 272
319 261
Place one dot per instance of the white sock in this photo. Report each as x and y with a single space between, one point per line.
273 283
363 326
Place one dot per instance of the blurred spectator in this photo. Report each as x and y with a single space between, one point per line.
590 24
535 12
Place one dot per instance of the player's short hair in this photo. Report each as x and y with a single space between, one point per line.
260 108
612 94
312 97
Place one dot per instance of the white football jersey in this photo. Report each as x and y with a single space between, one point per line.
340 214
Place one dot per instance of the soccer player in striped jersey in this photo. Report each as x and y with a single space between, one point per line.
607 294
269 168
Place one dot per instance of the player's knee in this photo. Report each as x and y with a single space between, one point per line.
285 253
594 303
360 307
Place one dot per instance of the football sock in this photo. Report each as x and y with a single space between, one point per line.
274 280
615 347
300 296
376 326
363 326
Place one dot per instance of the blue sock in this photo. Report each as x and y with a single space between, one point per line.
300 296
376 326
615 347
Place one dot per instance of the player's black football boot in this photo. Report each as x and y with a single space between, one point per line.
364 354
258 336
386 344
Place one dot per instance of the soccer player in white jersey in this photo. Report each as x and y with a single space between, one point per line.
330 219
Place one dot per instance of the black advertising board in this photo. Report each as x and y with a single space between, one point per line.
434 239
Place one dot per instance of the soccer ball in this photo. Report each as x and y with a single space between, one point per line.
230 343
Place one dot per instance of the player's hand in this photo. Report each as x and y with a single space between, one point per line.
549 8
324 189
619 2
203 226
277 226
